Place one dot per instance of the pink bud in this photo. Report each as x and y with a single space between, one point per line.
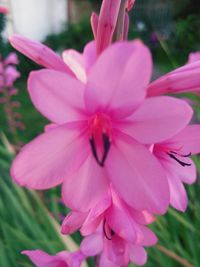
107 23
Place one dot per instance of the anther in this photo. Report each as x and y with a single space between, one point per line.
182 163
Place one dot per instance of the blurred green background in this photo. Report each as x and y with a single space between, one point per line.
29 220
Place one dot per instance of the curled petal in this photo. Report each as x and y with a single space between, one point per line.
39 53
92 185
184 79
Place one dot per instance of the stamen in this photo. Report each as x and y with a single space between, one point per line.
112 233
94 151
171 154
185 156
106 143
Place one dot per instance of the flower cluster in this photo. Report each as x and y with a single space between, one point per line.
118 146
8 76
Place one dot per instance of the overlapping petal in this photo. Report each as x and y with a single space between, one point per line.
50 158
85 188
39 53
58 96
143 188
158 119
118 80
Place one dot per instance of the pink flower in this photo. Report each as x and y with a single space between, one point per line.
193 57
117 230
174 155
101 131
11 75
183 79
62 259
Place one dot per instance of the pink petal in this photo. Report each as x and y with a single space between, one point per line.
39 53
117 250
188 140
42 259
125 166
118 80
56 95
142 217
193 57
183 79
106 23
120 221
187 174
178 195
92 245
158 119
104 262
94 19
75 61
50 158
89 55
95 216
73 222
92 185
137 255
150 239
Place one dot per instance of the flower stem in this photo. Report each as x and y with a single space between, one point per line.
119 31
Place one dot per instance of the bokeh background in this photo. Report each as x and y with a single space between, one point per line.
30 220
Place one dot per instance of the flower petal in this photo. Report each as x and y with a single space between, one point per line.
150 239
118 80
137 255
42 259
188 140
158 119
50 158
92 245
39 53
178 195
73 222
91 183
75 61
183 79
125 166
56 95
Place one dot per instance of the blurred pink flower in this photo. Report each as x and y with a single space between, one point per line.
174 155
11 75
193 57
101 127
3 10
11 59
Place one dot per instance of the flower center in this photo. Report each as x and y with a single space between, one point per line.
100 137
